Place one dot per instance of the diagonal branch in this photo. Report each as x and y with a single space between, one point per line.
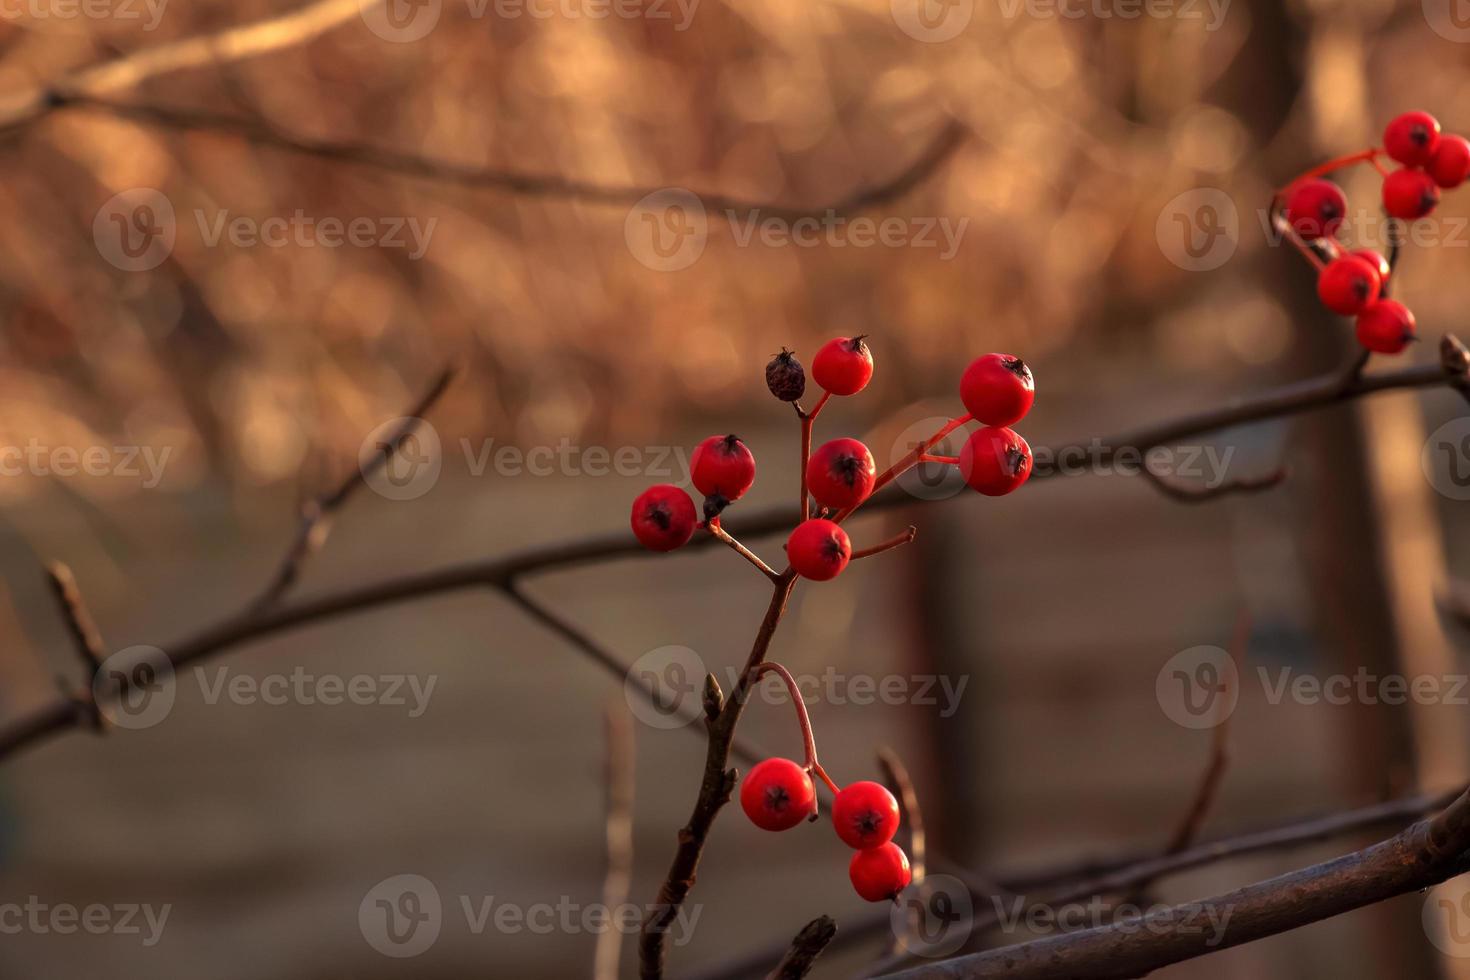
618 877
79 623
805 948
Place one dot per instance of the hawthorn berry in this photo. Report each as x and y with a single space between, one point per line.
998 389
995 461
879 873
840 474
1411 138
1450 164
786 377
1348 284
1315 208
663 518
1409 194
865 815
1385 327
843 366
778 794
818 549
1376 260
722 467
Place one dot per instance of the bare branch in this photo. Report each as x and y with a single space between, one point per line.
719 533
1188 493
618 877
805 949
897 541
316 515
86 639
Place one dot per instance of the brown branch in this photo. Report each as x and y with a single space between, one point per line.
1424 854
85 637
1188 493
897 541
316 515
1078 882
896 775
618 877
35 725
940 148
805 948
720 534
714 792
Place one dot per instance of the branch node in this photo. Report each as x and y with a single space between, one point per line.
714 698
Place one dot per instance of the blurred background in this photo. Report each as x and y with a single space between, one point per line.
183 302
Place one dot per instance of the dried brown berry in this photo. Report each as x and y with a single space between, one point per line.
785 376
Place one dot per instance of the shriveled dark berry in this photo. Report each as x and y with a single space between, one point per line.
785 376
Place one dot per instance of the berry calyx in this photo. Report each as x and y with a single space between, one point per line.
1450 164
786 377
778 794
722 466
878 874
843 366
818 549
1411 138
997 389
995 461
1348 284
865 815
1315 208
1385 327
663 518
1376 260
1409 194
840 474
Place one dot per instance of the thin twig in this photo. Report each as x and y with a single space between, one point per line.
618 877
316 515
897 541
1188 493
721 534
808 420
805 948
85 638
911 819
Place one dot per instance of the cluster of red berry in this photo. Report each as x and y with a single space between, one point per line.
998 390
1355 283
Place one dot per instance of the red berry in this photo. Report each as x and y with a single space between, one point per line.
1376 260
1411 138
1315 208
722 467
995 461
840 474
843 366
777 794
880 873
1348 284
818 549
1450 164
663 518
1409 194
997 389
865 815
1386 327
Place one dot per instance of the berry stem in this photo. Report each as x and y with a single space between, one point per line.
911 459
808 419
803 719
927 458
898 540
714 528
1370 155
